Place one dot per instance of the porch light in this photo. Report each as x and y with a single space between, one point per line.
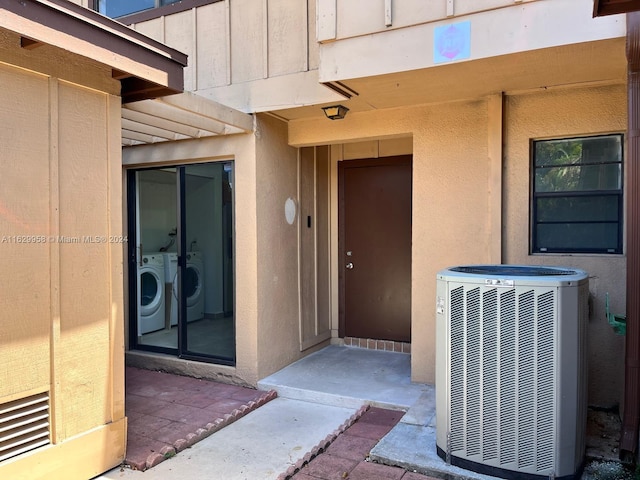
335 112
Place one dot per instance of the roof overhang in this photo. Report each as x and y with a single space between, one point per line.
146 68
613 7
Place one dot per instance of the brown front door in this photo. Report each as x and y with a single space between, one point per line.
375 248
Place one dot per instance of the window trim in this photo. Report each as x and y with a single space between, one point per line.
151 13
533 197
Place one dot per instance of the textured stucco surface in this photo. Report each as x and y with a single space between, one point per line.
567 113
454 201
278 258
241 149
450 202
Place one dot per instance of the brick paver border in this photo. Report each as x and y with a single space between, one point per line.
323 445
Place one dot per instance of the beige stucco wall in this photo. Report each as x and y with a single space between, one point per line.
457 200
266 248
278 297
451 170
566 113
241 149
61 256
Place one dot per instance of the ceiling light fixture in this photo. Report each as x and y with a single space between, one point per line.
335 112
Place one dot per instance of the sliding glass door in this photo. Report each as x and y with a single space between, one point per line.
181 224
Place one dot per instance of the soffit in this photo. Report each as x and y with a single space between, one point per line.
179 117
577 64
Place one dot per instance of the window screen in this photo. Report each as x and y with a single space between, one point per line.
577 195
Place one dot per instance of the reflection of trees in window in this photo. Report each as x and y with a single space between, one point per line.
557 162
575 165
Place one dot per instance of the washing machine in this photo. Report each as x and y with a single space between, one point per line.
151 278
171 277
193 287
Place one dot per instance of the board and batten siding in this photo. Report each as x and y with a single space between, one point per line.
61 253
237 41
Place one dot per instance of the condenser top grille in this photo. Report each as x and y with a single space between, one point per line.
514 275
513 270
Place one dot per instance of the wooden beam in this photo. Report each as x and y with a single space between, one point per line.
210 109
163 123
614 7
631 416
156 108
29 44
119 74
140 137
132 126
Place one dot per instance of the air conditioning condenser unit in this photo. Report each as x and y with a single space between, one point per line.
511 385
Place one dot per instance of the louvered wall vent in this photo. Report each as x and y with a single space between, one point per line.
24 425
511 370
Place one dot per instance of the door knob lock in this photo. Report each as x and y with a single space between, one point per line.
349 266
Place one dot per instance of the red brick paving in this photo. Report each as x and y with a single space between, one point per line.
346 457
168 413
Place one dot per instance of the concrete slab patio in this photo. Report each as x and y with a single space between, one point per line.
349 376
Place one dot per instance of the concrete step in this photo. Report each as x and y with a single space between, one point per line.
349 377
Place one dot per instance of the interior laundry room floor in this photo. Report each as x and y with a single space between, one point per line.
168 413
207 336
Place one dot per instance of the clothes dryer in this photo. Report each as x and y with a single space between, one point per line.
193 288
171 278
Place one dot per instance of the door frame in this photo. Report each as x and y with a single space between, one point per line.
133 216
342 164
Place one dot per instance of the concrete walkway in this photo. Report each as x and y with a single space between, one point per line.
260 445
284 434
353 376
319 429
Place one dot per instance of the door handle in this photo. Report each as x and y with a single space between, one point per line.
349 266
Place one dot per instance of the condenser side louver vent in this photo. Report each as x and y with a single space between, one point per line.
24 425
502 377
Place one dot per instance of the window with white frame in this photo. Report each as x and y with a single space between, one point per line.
577 201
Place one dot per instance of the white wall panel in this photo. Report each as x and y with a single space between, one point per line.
180 34
247 32
312 42
212 43
287 36
152 28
